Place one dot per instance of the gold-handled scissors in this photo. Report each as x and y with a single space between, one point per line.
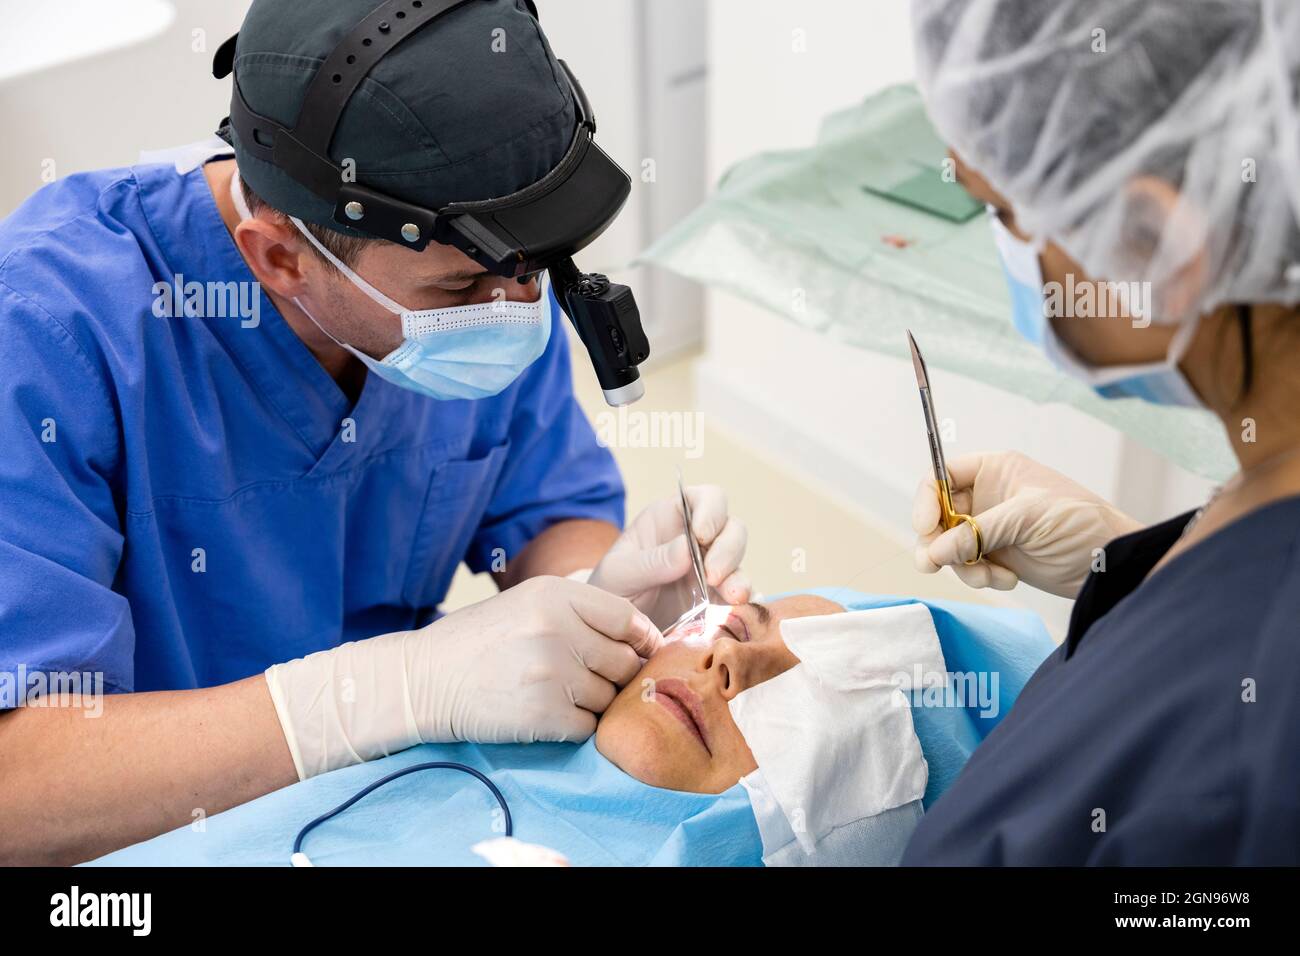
950 517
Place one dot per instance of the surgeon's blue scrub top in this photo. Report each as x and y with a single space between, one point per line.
186 501
1164 731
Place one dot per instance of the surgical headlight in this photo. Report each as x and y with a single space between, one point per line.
540 227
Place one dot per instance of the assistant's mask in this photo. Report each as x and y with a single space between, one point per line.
1161 382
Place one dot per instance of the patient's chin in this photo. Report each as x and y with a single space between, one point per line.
642 750
636 748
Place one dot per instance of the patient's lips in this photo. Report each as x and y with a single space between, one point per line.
683 703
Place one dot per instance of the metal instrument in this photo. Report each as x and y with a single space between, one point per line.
950 517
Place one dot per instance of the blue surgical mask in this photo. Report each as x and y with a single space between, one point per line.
1161 383
466 352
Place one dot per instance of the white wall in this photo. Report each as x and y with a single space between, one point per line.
768 92
99 109
674 124
849 417
609 75
87 84
642 65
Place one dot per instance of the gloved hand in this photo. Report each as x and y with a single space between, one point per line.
650 563
1038 526
536 662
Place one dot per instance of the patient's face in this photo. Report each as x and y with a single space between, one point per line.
671 727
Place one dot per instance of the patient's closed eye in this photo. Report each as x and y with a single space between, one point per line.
735 629
737 626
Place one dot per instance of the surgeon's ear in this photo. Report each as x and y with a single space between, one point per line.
1156 228
275 253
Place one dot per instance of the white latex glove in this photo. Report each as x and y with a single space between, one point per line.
650 563
1038 526
536 662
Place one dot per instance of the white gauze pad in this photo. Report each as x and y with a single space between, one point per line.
833 736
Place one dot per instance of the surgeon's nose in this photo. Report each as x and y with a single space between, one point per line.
728 668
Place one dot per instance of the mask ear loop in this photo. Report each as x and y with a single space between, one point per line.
341 344
1244 328
367 288
359 282
245 214
241 206
237 197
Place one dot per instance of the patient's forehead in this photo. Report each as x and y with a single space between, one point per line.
802 605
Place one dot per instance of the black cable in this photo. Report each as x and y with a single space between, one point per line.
434 765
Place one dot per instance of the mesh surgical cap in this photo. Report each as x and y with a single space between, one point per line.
1153 140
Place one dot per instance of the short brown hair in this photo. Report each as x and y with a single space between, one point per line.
346 248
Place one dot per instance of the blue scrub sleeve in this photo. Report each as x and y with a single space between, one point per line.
60 536
556 470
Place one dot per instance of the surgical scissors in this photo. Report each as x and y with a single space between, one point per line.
949 516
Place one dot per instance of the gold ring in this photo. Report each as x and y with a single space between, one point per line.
979 539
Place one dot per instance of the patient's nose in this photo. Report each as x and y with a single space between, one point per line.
734 666
730 667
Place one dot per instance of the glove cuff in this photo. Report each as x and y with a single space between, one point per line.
344 706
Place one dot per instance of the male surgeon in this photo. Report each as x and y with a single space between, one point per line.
239 527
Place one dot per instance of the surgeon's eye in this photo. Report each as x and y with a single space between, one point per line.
456 288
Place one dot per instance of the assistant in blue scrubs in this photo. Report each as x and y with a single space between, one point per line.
186 501
1164 731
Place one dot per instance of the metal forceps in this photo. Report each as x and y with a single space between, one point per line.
697 556
950 518
699 584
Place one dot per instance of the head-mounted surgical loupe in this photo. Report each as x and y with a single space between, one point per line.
539 227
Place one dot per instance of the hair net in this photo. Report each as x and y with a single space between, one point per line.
1153 140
